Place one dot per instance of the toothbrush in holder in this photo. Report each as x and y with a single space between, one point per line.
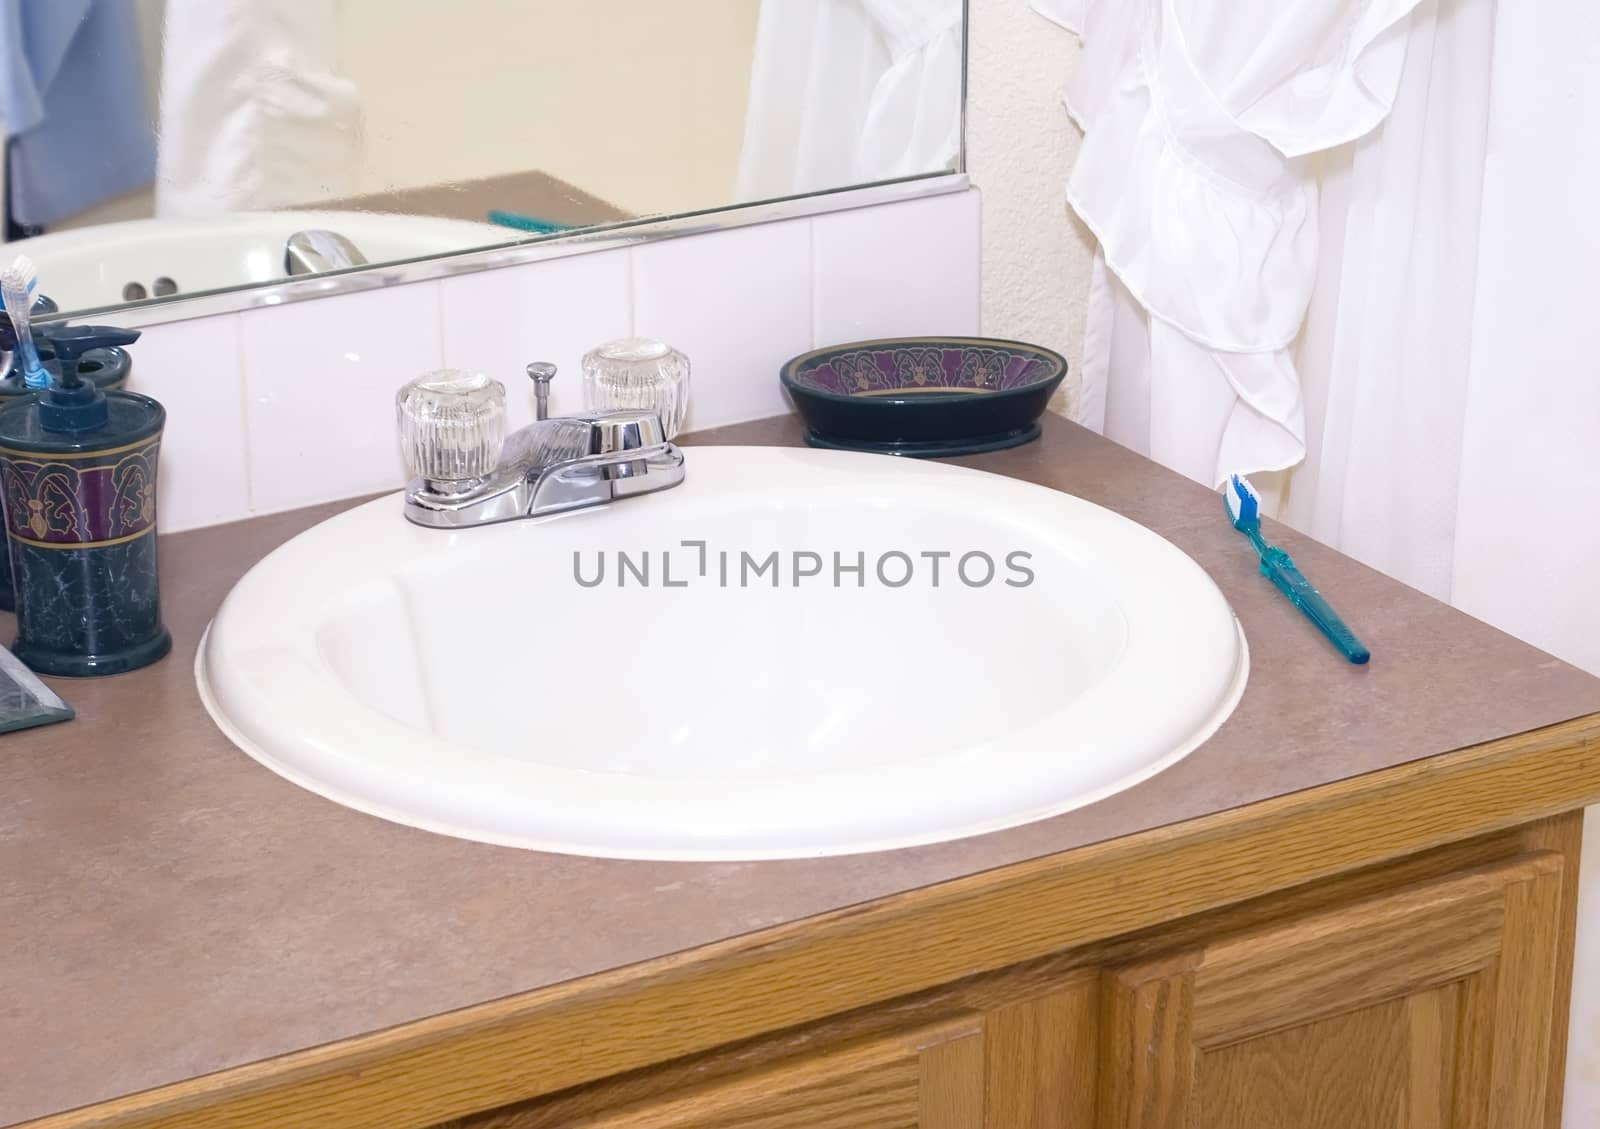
1277 566
17 283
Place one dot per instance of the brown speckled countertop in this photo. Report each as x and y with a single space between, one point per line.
170 908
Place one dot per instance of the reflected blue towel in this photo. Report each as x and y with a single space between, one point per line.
72 96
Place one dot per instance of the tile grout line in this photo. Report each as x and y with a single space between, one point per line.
245 445
977 201
811 287
633 291
438 305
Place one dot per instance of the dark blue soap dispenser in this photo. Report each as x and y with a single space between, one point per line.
78 479
109 368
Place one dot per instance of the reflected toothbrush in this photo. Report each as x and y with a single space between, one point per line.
1245 509
17 284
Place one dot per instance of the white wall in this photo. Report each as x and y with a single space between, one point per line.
287 406
1020 149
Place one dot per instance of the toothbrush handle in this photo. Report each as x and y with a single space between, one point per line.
1281 570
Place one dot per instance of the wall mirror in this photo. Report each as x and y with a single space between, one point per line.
159 150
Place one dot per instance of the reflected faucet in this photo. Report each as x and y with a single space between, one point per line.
316 250
467 471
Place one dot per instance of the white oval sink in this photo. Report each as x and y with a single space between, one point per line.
469 683
86 268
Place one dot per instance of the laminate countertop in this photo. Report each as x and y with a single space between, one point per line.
169 908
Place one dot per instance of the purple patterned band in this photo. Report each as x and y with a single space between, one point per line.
912 368
73 502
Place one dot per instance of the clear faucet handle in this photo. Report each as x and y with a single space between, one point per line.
452 427
640 374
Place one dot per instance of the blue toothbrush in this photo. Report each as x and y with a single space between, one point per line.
527 223
1276 566
17 284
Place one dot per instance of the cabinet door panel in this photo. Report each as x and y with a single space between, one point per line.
1427 1008
1389 1064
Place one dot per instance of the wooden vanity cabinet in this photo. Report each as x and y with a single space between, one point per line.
1428 994
1426 1008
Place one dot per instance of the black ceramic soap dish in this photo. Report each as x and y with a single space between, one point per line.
924 397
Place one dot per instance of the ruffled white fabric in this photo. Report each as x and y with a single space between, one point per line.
1198 118
1188 407
1303 76
1210 227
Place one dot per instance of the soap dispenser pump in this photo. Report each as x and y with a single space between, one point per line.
78 478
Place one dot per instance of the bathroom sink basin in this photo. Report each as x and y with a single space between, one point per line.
772 660
91 267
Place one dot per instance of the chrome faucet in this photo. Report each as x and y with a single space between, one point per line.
467 472
316 250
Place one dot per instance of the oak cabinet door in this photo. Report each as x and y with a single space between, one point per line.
928 1078
1427 1008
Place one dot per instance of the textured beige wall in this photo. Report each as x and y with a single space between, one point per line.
640 104
1020 149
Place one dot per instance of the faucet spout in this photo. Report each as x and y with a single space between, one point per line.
316 250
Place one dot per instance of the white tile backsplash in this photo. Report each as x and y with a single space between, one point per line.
899 270
737 303
497 321
287 406
193 368
320 379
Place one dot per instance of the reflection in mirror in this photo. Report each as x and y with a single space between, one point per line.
164 148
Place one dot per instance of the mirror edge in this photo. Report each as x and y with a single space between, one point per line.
633 233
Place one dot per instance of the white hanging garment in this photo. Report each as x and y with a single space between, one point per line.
850 91
1198 118
254 114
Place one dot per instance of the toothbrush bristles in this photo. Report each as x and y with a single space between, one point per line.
20 275
17 283
1241 498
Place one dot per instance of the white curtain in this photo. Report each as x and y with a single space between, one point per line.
1442 362
1387 344
849 91
254 114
